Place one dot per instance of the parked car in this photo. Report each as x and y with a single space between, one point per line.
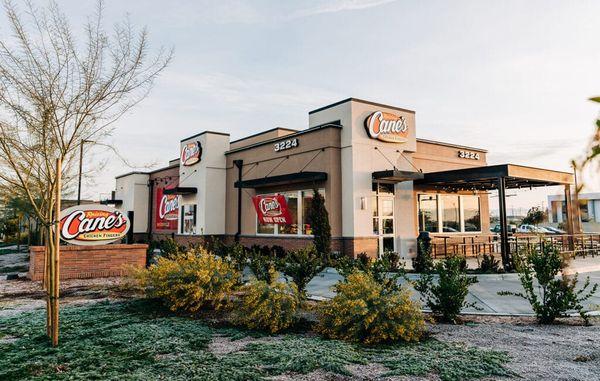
554 230
511 228
525 228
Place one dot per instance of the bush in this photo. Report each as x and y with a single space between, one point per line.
170 249
447 297
266 306
189 281
365 311
385 270
489 264
262 263
302 266
423 262
555 295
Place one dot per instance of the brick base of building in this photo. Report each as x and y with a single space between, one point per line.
349 246
89 261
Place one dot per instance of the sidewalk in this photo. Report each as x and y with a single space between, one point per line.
484 293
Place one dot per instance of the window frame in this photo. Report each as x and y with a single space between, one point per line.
440 213
300 213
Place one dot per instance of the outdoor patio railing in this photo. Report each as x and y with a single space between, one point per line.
476 245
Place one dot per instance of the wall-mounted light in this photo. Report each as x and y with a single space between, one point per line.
363 203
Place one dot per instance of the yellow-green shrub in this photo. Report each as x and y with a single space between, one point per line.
368 312
268 306
189 281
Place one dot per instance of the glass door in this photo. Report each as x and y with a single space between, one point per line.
382 203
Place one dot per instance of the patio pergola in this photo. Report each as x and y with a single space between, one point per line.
500 178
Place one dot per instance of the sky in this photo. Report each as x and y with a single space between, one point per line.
512 77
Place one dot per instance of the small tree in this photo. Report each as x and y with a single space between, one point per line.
553 295
319 223
423 262
302 266
447 296
534 216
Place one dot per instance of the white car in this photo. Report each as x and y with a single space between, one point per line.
525 228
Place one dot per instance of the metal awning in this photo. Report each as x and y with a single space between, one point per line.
486 178
396 175
181 190
291 178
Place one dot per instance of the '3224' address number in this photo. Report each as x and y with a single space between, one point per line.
286 144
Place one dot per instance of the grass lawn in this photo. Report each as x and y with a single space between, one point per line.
137 340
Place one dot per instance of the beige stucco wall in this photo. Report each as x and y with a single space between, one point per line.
322 146
261 137
133 190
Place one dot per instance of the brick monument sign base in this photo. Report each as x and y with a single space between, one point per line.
89 261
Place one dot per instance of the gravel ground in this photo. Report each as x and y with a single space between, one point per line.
565 351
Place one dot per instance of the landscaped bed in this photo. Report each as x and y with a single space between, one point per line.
131 340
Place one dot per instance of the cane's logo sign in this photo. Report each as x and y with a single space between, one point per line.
191 153
272 209
269 206
387 127
92 225
168 207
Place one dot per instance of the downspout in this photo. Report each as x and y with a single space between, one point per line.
239 164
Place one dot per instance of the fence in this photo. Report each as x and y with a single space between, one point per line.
474 245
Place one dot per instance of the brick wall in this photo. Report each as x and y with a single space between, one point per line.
89 261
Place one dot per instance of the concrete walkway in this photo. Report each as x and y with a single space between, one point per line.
484 293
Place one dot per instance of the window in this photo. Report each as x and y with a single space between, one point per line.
449 213
428 217
298 203
188 219
471 212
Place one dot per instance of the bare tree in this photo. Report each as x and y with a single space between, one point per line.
56 91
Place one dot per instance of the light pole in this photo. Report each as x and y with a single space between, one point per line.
80 169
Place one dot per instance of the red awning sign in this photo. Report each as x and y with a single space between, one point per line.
272 209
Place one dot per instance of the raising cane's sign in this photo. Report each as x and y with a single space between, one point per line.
92 225
191 153
167 210
272 209
387 127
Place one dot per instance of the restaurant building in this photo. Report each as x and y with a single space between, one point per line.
381 184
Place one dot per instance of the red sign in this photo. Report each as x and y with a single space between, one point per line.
191 153
387 127
167 210
272 209
92 225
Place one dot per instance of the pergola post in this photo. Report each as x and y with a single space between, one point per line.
570 225
504 245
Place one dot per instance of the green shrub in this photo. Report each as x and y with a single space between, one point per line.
302 266
365 311
170 249
189 281
261 263
489 264
447 296
266 306
423 262
555 295
385 270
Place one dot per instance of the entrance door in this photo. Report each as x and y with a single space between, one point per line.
383 217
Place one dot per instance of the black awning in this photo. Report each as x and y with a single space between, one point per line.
397 176
181 190
111 202
486 178
291 178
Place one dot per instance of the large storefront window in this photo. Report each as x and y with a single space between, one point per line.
298 203
472 214
449 213
428 213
